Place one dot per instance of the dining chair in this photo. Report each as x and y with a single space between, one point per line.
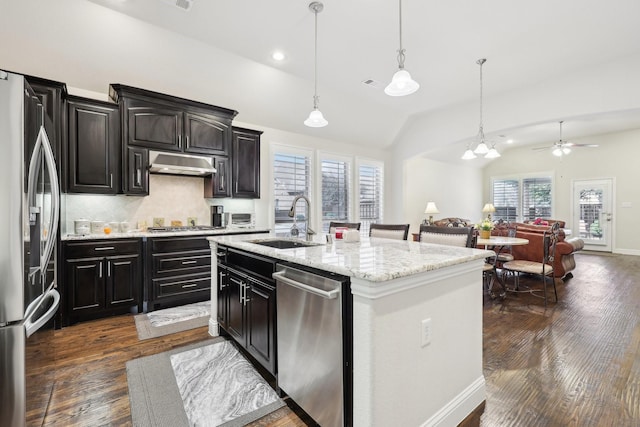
543 268
350 225
452 236
389 231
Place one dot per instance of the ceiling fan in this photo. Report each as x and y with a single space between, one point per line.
560 147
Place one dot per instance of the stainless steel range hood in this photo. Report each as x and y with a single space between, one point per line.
180 164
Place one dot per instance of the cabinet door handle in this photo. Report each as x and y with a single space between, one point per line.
108 268
138 178
222 182
104 248
245 295
189 262
187 141
179 141
220 254
100 270
191 285
221 276
111 180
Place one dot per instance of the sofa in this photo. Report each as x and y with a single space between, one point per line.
564 261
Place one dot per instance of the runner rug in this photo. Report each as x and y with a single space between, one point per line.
171 320
205 384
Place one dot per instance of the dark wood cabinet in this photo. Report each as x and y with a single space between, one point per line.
247 303
52 95
101 278
219 184
178 271
168 123
93 140
136 180
246 163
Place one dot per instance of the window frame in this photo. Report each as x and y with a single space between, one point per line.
520 178
349 161
364 229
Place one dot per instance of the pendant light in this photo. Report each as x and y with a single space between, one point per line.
401 84
482 146
316 119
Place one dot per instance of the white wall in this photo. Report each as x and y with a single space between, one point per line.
616 157
456 190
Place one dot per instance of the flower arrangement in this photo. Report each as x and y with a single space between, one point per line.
485 228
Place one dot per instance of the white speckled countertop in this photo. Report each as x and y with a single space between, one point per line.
130 234
371 259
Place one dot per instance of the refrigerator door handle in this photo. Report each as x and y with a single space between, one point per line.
32 326
42 143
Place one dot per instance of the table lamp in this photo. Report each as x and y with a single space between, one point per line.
431 209
488 209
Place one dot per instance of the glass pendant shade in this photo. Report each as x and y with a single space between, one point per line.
316 119
468 155
566 150
557 152
492 154
481 148
401 84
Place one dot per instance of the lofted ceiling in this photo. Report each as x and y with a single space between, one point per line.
524 43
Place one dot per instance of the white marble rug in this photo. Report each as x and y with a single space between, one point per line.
171 320
201 385
218 385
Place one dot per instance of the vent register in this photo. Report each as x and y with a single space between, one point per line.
180 4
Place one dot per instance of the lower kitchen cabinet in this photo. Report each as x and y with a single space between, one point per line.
247 303
178 271
101 278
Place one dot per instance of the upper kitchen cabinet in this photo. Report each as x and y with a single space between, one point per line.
162 122
52 95
93 141
246 163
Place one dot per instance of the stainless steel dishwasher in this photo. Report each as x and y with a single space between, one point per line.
310 343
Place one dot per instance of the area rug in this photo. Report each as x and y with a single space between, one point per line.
171 320
205 384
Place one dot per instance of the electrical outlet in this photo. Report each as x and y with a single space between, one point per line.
425 332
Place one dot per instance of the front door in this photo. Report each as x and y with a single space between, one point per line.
593 213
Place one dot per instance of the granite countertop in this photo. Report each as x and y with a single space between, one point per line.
137 233
371 259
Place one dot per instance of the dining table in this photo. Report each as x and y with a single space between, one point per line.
498 244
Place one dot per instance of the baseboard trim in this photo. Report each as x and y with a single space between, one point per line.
214 327
460 407
626 251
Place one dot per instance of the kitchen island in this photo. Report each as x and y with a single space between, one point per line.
417 324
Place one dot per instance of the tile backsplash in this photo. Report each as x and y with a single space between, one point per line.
174 198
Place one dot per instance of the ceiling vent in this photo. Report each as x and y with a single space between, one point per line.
372 83
184 5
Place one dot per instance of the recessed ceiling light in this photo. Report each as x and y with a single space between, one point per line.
277 55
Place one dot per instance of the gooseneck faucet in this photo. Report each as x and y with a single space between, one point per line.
292 214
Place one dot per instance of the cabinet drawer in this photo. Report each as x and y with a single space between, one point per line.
95 248
179 285
182 263
178 244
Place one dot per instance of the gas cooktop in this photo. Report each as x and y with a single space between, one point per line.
172 229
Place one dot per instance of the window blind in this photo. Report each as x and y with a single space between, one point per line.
506 194
370 178
335 192
292 177
536 198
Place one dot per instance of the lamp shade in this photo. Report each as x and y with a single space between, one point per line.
401 84
492 154
488 208
481 148
316 119
468 155
431 208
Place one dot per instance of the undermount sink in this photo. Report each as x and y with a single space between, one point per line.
284 244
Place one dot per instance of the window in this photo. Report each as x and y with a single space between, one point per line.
291 178
335 191
524 198
536 198
370 181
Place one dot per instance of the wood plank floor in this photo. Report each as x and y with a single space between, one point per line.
577 363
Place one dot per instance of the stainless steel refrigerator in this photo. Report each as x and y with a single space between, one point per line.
29 218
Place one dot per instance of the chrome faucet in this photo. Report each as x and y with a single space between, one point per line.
292 214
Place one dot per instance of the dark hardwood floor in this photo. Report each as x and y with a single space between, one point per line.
576 363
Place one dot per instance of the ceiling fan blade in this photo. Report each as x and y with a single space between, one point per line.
570 144
542 148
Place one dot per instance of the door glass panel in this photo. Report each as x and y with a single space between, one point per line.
590 213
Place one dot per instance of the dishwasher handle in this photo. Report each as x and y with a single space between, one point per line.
281 277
